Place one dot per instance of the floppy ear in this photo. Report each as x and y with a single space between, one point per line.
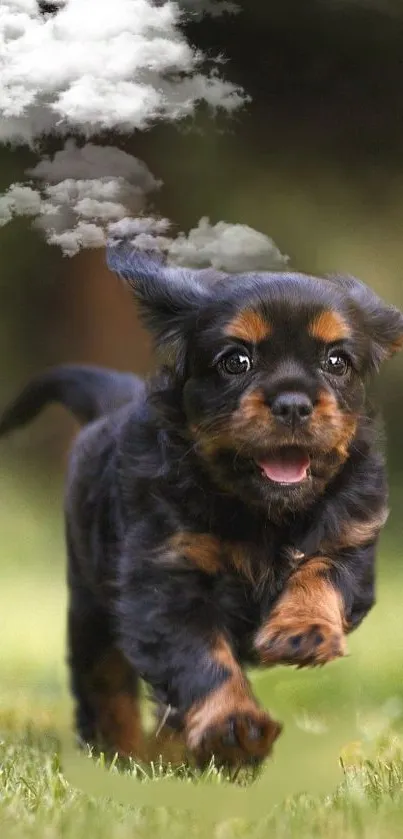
382 322
169 298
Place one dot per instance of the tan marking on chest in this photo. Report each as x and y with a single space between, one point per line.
213 556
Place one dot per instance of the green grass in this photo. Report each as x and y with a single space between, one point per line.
37 801
352 710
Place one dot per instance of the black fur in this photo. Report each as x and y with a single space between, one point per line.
88 391
164 459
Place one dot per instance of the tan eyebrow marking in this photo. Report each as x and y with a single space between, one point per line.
250 326
329 327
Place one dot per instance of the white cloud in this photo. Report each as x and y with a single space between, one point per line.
86 213
19 200
77 204
120 65
229 247
73 193
97 65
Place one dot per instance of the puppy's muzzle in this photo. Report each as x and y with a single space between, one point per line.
291 408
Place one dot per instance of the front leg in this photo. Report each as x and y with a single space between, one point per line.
174 635
324 599
227 721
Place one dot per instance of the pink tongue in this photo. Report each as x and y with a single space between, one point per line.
286 468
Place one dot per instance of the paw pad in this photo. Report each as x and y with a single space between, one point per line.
313 644
241 739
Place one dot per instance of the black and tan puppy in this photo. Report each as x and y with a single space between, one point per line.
228 513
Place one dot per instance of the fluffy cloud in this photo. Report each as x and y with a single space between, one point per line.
120 66
95 66
227 247
78 192
79 212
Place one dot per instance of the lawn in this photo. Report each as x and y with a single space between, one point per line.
337 770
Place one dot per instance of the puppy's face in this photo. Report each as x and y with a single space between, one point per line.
274 389
273 369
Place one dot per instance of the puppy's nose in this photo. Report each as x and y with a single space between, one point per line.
292 408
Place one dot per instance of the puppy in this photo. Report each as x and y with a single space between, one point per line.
227 513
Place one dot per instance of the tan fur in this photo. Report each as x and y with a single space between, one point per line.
357 533
309 608
329 327
117 706
208 720
249 326
213 556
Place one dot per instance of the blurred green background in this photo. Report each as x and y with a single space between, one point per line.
315 161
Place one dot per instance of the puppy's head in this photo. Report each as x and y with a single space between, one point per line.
272 369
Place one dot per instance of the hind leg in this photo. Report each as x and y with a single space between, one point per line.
105 687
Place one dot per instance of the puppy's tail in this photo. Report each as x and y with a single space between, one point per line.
88 392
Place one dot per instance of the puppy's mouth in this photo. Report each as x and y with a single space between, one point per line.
287 466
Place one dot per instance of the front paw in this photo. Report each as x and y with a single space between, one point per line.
238 737
300 640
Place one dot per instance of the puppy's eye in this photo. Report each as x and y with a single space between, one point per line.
337 363
236 363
